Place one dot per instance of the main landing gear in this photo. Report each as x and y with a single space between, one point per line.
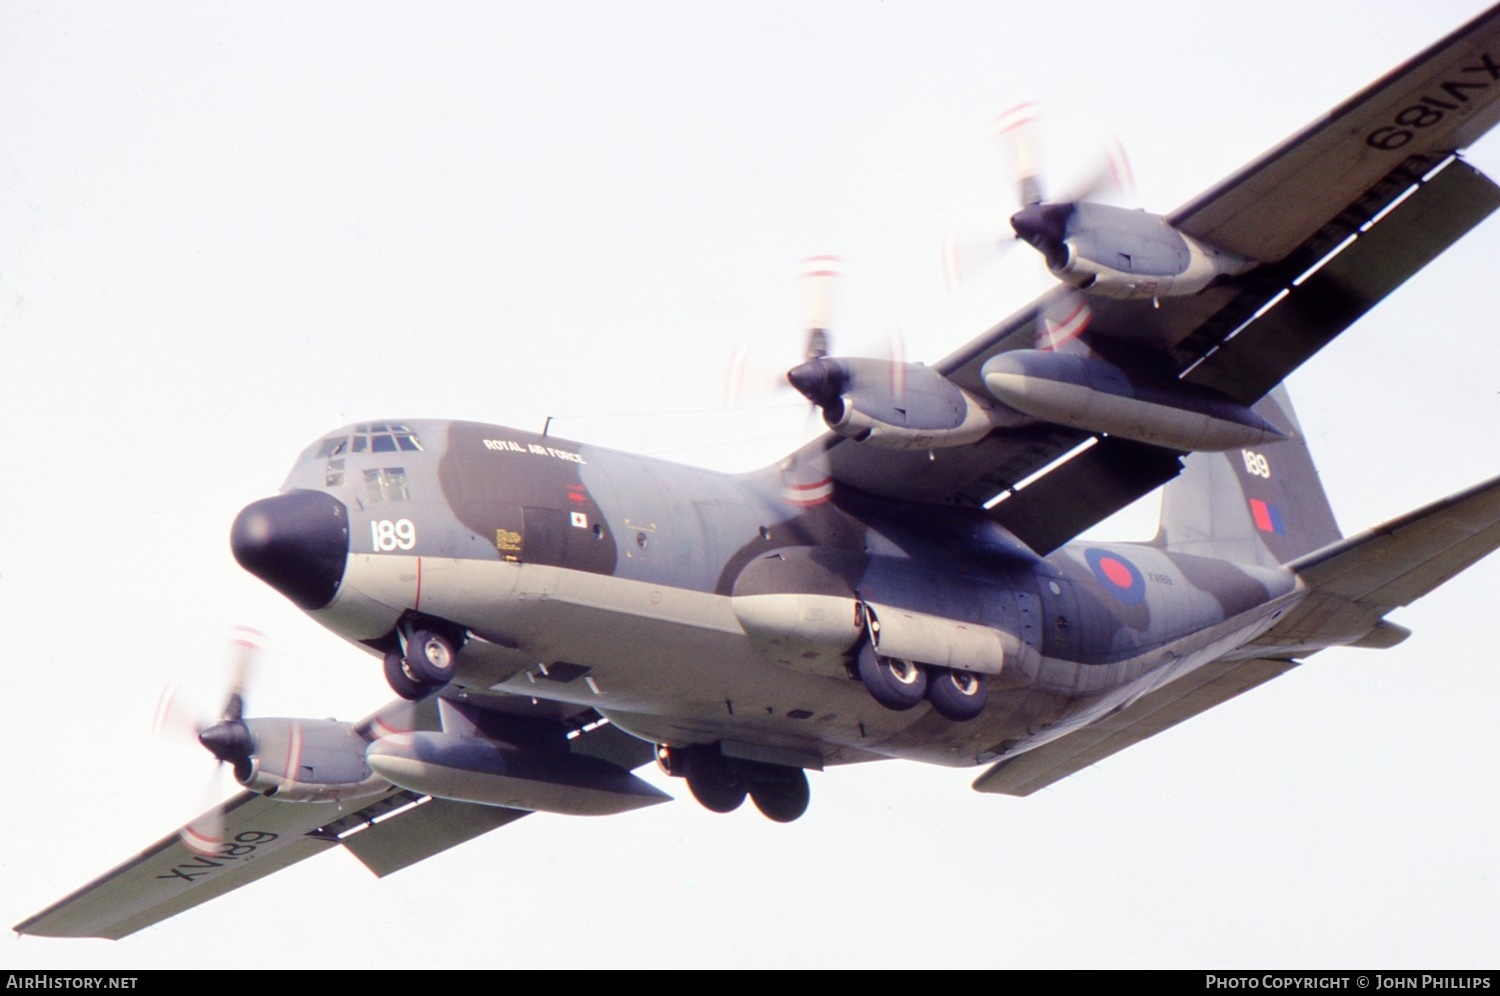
902 684
426 663
721 783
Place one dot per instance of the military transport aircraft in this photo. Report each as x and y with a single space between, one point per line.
552 615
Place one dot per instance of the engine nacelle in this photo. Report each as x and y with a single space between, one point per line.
308 760
1114 252
893 405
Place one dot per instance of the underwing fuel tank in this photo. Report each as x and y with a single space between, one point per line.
472 769
1089 393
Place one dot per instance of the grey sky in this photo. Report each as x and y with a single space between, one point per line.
227 227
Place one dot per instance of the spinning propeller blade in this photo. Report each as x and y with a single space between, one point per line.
1039 221
226 737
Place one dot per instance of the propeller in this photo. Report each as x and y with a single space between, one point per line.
227 738
820 276
750 373
1063 321
1038 221
820 378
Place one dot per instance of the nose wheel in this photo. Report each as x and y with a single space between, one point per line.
427 664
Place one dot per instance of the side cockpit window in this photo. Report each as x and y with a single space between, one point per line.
332 447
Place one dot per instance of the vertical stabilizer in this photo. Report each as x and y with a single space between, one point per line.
1263 505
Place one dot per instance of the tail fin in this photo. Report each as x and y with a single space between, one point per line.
1261 506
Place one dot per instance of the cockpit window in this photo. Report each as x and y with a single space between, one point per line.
386 484
332 446
385 437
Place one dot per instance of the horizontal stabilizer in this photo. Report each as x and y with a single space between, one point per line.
1187 696
1356 581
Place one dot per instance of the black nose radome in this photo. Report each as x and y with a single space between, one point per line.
295 542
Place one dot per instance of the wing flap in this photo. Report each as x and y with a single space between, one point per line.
1179 700
424 829
1085 490
1436 214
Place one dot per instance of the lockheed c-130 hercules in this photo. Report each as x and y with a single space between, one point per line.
553 615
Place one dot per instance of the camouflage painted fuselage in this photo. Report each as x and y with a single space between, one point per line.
630 585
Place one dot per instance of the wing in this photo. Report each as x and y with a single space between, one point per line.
1338 216
262 836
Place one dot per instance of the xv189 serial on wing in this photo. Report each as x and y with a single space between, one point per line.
552 615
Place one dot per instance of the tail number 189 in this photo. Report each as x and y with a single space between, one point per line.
1256 463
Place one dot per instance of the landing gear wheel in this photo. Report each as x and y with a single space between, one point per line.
402 683
894 683
957 695
430 657
781 797
712 782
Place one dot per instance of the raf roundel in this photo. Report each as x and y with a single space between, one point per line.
1120 577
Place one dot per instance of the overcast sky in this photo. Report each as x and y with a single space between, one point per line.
226 228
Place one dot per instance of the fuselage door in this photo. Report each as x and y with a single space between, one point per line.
1060 635
542 535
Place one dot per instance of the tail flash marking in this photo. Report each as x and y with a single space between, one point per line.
1267 517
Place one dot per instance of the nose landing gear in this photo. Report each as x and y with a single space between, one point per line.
424 664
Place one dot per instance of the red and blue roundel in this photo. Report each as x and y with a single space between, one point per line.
1119 576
